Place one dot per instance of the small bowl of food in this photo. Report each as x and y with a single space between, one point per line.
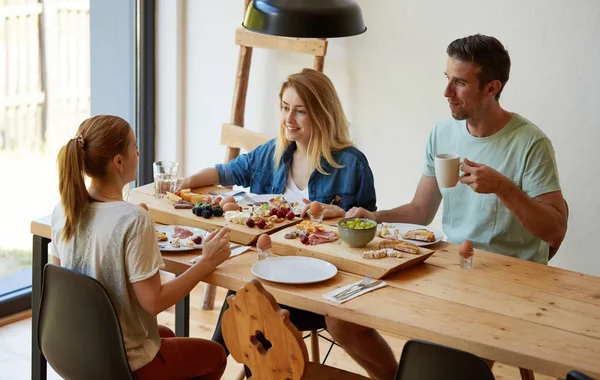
357 232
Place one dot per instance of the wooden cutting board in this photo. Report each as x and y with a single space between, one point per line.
163 212
345 257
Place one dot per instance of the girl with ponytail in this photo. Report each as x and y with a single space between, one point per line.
96 233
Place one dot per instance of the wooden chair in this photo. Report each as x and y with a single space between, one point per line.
259 334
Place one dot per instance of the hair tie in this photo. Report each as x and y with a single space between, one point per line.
79 138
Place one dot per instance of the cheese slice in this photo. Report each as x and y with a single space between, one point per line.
173 197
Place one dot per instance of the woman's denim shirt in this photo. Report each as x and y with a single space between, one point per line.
353 183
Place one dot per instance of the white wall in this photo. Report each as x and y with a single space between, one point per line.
391 82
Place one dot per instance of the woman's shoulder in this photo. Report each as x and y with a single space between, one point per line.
351 154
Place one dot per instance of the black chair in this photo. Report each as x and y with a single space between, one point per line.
576 375
422 360
79 331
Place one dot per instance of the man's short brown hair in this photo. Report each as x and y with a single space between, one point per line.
488 53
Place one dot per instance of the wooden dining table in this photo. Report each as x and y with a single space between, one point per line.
521 313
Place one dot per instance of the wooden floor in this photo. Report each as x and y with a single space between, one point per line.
15 344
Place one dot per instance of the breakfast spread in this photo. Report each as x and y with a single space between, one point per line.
180 236
421 235
311 233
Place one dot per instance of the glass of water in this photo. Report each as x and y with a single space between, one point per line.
165 177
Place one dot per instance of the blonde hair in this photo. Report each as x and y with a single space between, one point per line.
330 130
98 140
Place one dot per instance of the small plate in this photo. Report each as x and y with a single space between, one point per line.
169 230
294 270
405 227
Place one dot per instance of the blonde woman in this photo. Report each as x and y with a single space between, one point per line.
96 233
312 158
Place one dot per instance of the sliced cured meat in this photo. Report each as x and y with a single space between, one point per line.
181 233
321 237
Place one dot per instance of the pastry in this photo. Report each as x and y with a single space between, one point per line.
399 245
161 236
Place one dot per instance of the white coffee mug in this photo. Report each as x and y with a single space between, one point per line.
447 167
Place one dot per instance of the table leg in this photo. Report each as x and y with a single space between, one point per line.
208 299
182 317
40 259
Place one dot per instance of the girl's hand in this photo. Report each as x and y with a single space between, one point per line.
216 247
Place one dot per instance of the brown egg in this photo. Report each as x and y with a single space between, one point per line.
465 248
316 208
230 206
264 242
226 200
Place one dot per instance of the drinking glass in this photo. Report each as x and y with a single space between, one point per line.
165 177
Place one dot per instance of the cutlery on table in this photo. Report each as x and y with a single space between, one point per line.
365 281
358 290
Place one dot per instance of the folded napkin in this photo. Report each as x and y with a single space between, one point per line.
329 296
236 250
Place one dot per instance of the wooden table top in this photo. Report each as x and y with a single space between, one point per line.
516 312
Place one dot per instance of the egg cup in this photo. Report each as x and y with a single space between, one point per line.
466 260
315 217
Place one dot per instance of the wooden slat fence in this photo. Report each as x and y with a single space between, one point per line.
44 72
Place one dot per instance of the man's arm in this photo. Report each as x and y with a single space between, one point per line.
544 216
421 210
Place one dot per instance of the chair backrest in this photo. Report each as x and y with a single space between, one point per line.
79 331
422 360
576 375
259 334
236 137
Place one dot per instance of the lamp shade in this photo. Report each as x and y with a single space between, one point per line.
305 18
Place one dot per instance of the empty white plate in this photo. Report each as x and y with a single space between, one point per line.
294 270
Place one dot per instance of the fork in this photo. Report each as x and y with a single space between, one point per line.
365 281
358 290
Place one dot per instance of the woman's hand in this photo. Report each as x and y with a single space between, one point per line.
329 211
216 248
182 183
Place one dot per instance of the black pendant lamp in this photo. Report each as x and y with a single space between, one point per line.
305 18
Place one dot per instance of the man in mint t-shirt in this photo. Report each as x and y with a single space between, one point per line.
509 199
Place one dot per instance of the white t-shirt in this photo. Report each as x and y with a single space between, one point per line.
115 243
292 193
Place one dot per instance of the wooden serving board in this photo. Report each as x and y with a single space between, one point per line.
162 211
345 257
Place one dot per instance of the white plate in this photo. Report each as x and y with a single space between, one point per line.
405 227
294 270
168 230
